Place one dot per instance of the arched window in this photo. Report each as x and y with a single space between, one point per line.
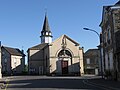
66 52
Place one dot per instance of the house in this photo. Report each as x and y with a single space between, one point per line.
92 61
13 60
63 56
110 40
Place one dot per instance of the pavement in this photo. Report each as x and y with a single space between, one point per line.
94 80
107 83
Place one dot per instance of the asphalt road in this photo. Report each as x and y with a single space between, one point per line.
49 83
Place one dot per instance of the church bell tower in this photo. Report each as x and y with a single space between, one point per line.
46 34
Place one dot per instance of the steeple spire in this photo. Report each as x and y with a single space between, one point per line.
46 25
46 34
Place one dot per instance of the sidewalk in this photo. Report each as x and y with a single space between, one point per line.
3 82
114 85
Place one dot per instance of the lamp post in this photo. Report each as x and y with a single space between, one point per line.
99 48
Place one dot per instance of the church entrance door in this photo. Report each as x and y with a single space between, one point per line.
64 67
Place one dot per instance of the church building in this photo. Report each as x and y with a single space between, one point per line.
62 56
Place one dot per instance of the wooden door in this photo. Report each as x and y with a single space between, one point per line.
64 67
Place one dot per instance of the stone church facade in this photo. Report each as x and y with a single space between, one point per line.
62 56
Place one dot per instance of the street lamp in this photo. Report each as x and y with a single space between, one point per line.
99 48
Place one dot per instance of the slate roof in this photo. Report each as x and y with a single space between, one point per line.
91 52
39 46
13 51
118 3
46 27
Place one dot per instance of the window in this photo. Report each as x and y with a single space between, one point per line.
46 33
109 35
106 16
88 60
5 60
46 61
49 33
106 37
3 53
116 20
